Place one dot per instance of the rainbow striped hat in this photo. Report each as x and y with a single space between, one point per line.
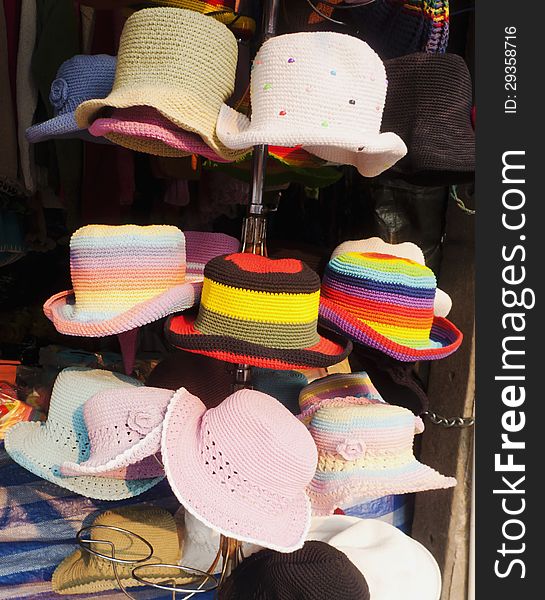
125 276
366 451
386 302
260 312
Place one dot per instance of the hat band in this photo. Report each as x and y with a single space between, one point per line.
274 335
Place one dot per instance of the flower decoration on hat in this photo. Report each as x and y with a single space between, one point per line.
143 421
352 449
58 93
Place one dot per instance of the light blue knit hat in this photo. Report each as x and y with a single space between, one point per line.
80 78
42 447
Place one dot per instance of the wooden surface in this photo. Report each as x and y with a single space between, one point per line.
442 518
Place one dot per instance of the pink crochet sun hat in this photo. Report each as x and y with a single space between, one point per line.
364 452
145 129
241 468
124 428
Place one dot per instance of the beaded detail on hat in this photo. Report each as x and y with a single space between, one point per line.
366 451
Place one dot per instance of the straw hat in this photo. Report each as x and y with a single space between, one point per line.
394 565
78 79
322 90
42 447
365 451
249 486
386 302
125 276
261 312
179 62
442 302
84 573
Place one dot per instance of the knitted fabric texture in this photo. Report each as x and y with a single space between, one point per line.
422 90
258 311
124 428
43 447
84 573
144 129
203 246
442 302
338 389
322 90
394 565
398 27
386 302
123 276
315 572
78 79
366 451
179 62
242 26
285 386
249 486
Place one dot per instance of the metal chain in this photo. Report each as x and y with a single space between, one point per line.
449 422
460 202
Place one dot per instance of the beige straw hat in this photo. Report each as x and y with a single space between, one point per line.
181 63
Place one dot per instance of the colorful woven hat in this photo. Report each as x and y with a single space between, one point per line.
442 302
222 10
43 447
249 486
123 276
258 311
203 246
422 89
338 389
322 90
124 428
178 62
84 573
315 572
366 451
394 565
78 79
386 302
144 129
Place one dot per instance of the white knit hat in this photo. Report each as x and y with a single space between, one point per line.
322 90
442 303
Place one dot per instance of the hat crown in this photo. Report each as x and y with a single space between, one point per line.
81 78
334 80
115 268
180 49
260 300
393 295
278 439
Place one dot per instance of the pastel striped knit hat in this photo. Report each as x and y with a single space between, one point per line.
179 62
124 276
261 312
42 448
366 451
78 79
386 302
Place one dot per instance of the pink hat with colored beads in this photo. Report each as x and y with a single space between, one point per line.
125 276
124 428
241 468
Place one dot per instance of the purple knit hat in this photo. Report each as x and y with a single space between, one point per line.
79 78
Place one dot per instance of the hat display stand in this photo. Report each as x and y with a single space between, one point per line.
196 582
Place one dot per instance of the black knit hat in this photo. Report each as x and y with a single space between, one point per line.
428 105
317 571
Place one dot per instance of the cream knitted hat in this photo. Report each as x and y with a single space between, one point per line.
322 90
179 62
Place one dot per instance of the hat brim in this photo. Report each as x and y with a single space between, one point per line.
445 337
381 150
145 448
62 310
172 104
201 494
60 127
29 445
152 138
180 331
